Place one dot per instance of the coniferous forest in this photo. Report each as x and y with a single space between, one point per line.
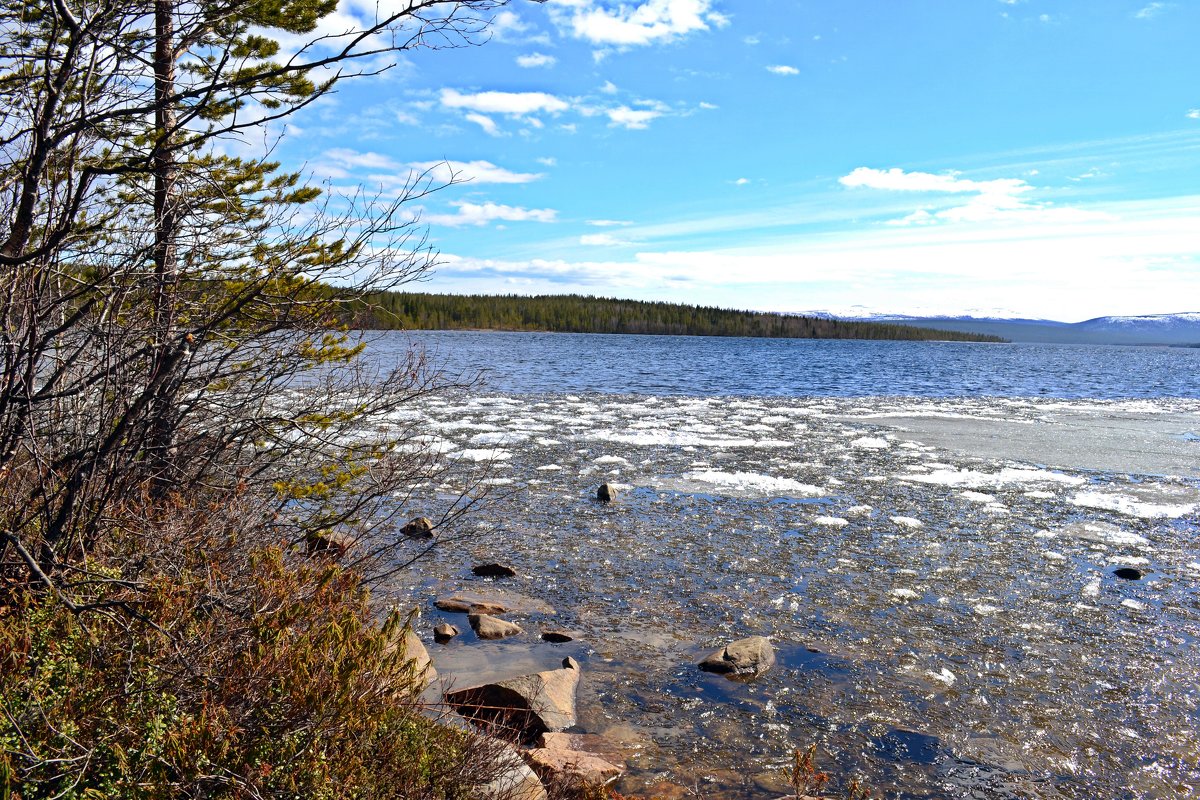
586 314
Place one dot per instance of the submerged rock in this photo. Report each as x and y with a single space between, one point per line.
418 528
606 493
444 632
494 571
526 706
488 627
744 658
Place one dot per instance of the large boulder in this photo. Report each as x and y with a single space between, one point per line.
523 707
415 654
488 627
744 658
606 493
327 543
574 769
418 528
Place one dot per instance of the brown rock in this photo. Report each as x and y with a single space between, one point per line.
327 543
415 654
418 528
514 781
467 605
606 493
444 632
527 706
488 627
744 658
494 571
575 768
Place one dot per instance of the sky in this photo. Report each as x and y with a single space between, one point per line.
1035 158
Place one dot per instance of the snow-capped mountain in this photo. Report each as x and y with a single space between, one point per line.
1172 329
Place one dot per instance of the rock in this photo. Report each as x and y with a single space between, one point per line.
418 528
526 706
494 571
467 605
327 543
488 627
571 769
1128 573
414 652
514 781
606 493
556 636
743 658
444 633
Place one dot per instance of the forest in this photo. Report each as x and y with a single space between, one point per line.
587 314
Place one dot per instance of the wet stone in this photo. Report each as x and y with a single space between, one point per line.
418 528
606 493
1129 573
444 632
494 571
557 636
488 627
743 658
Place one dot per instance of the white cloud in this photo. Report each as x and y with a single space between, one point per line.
487 123
547 161
751 40
473 171
708 106
483 213
517 104
338 162
609 87
608 223
533 60
992 199
631 118
1193 113
741 181
1152 10
601 240
638 24
783 69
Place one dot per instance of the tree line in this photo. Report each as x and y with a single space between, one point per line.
587 314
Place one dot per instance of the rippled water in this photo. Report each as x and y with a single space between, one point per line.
947 624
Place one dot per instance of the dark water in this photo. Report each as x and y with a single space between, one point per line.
948 623
715 366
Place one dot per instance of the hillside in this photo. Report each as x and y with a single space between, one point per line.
1155 329
585 314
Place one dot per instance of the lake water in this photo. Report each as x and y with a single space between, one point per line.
928 532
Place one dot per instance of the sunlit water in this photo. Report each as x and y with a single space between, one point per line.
947 625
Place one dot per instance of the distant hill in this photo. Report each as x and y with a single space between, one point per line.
1151 329
585 314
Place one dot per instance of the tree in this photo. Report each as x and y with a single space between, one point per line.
169 321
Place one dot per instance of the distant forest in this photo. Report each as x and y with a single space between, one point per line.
585 314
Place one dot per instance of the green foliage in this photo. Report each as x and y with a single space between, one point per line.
579 314
276 681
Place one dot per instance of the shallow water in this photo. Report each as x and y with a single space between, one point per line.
946 619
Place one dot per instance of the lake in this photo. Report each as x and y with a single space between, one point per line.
928 533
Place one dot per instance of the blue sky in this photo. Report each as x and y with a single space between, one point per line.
1039 157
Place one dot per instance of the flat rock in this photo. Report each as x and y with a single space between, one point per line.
526 706
462 599
575 768
494 571
515 781
418 528
488 627
462 605
741 659
444 632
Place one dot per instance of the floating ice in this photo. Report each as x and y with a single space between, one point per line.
549 468
870 443
908 522
1103 533
904 594
482 455
741 484
977 497
611 460
831 522
1144 502
502 437
1005 477
945 676
1134 604
1091 588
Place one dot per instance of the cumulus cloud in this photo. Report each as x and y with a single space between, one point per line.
474 171
517 104
631 118
635 24
987 199
468 213
487 123
533 60
783 69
